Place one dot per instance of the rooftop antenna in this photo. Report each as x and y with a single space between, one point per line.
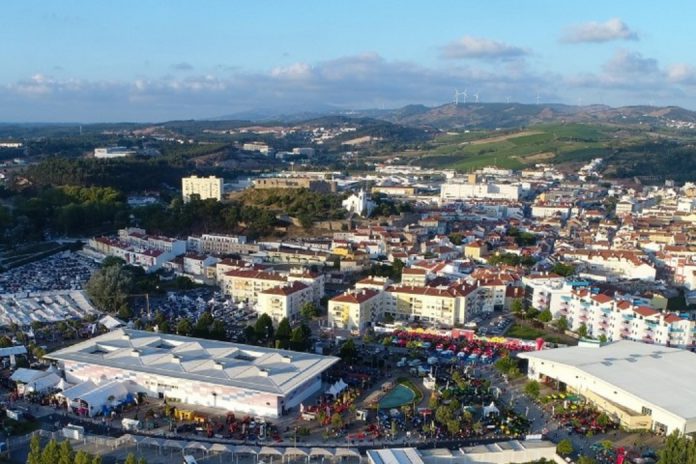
457 93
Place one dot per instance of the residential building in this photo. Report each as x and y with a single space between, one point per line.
613 264
244 285
459 190
356 310
283 301
113 152
205 187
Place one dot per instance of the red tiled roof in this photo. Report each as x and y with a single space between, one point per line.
645 311
286 290
356 297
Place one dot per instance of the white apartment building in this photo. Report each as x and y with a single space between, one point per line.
356 310
134 246
198 265
284 301
219 244
257 146
613 264
444 306
615 319
546 210
453 191
205 187
244 285
539 289
315 280
113 152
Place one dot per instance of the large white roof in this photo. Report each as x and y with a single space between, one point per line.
662 376
243 366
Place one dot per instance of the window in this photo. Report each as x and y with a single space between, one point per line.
646 411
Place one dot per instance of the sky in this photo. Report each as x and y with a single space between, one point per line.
147 60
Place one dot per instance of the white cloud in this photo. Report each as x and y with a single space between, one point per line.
681 73
480 47
597 32
351 82
626 62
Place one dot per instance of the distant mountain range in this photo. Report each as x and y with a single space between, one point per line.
489 115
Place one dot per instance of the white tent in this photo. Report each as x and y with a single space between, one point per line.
490 409
99 397
24 375
111 323
73 393
63 385
43 384
337 388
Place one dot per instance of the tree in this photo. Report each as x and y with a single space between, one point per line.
309 311
109 287
283 333
564 447
563 270
545 316
65 453
532 313
562 324
602 338
264 327
50 452
397 268
678 449
34 456
517 307
582 331
532 389
96 459
298 340
184 327
348 351
249 334
453 426
81 457
587 460
112 261
336 421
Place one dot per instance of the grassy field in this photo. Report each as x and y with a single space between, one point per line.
526 332
553 143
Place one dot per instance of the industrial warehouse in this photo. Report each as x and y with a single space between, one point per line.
643 386
255 380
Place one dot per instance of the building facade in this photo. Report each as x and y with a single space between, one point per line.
206 188
241 378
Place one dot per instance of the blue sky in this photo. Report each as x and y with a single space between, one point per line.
151 60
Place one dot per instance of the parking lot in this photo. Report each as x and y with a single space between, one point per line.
493 324
190 304
63 271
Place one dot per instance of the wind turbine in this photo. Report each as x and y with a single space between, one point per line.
537 98
457 93
476 96
507 99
